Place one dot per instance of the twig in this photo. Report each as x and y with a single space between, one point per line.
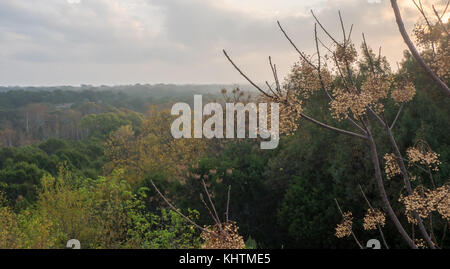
407 183
212 204
382 190
248 79
323 28
209 210
275 75
440 20
342 25
378 225
445 9
332 128
176 210
422 11
396 116
353 234
321 79
368 54
303 115
295 47
270 88
350 33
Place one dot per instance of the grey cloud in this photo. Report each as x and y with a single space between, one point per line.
176 40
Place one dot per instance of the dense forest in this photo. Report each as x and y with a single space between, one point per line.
100 165
78 164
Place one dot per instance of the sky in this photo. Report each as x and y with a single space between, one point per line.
110 42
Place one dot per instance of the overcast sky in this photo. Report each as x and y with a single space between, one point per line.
72 42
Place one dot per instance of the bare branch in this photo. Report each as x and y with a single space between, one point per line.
407 183
323 28
382 191
366 48
270 88
342 25
247 78
445 9
414 51
275 75
212 204
323 45
303 115
396 116
176 210
440 20
228 203
346 86
378 225
332 128
318 52
350 33
353 234
422 11
321 79
379 55
302 55
209 210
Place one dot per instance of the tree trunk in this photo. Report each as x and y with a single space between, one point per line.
384 198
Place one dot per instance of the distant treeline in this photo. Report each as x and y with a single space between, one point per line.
32 114
130 96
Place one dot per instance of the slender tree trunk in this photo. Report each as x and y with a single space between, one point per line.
407 182
382 191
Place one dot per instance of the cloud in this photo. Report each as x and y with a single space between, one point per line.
129 41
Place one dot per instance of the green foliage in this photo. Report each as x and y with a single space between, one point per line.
102 213
251 243
165 231
22 168
101 125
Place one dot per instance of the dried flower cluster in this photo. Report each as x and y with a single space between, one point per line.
373 218
391 166
346 102
346 53
441 198
373 91
236 95
304 79
420 243
377 86
224 237
289 115
424 157
425 201
426 36
434 40
290 109
344 228
442 62
404 91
